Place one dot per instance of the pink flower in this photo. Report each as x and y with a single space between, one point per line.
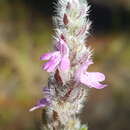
59 58
90 79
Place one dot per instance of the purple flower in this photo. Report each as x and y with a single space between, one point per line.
59 58
42 103
90 79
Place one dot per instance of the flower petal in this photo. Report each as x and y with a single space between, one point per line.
63 48
46 56
92 79
97 85
49 66
42 103
52 63
65 63
96 76
46 90
87 64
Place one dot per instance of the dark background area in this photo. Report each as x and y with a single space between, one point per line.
113 18
26 33
106 17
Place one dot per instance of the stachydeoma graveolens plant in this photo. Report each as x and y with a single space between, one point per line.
69 79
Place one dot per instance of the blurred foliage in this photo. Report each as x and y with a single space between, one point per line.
24 36
22 40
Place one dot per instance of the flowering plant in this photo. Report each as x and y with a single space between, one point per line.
65 93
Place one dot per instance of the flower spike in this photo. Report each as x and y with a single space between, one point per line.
68 65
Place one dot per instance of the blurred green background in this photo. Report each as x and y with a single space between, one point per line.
26 32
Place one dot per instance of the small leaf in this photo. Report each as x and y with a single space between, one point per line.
84 127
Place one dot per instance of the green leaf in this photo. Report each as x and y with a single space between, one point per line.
84 127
